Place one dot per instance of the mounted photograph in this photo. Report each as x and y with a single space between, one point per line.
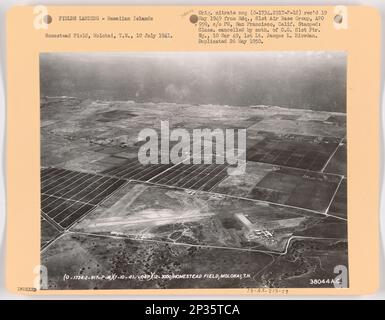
193 170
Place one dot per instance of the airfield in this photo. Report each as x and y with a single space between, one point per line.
281 224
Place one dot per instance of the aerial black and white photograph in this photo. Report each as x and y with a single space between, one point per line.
193 170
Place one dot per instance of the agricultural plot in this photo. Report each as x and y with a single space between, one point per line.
290 150
66 196
48 231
